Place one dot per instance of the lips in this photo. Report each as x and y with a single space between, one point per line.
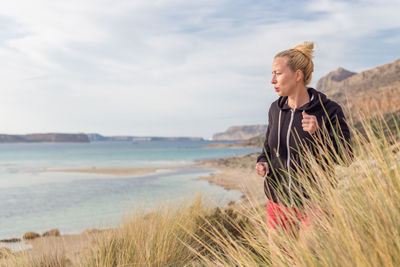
276 89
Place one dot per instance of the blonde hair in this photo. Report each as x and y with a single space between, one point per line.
300 58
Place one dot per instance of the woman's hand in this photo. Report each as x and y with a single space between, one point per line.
262 168
309 123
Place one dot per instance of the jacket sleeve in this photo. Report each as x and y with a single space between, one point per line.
266 149
340 136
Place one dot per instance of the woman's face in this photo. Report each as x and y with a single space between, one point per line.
283 78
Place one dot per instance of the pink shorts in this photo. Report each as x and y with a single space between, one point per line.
285 217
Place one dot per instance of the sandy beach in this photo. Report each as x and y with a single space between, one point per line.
71 245
236 173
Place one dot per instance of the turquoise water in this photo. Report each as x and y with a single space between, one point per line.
32 199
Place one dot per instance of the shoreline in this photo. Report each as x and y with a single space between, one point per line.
233 173
230 175
236 173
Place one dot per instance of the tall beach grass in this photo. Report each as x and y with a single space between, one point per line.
353 205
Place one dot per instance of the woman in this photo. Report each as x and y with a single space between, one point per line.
296 116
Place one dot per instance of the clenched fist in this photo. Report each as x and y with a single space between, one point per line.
262 168
309 123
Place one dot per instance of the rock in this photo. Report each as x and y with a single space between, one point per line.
231 203
30 235
4 252
240 132
364 91
332 79
52 232
11 240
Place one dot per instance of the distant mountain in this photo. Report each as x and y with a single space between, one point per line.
94 137
46 137
240 132
369 91
84 138
333 79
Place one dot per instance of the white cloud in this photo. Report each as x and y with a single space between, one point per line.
165 67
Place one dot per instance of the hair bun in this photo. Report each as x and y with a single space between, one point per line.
306 49
300 58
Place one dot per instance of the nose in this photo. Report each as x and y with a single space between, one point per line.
273 80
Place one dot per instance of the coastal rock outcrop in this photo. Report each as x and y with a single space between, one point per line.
11 240
52 232
370 91
240 132
30 235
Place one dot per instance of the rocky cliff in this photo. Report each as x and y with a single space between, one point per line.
369 92
240 132
333 79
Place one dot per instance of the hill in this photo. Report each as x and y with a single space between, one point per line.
94 137
240 132
45 137
371 91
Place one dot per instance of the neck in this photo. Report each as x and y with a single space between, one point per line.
298 98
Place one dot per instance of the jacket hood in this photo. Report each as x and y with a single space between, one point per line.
316 98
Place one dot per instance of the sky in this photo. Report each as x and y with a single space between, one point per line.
171 67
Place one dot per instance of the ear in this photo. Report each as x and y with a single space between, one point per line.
299 76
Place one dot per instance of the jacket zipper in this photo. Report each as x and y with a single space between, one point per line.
288 155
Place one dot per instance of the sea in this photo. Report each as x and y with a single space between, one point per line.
34 199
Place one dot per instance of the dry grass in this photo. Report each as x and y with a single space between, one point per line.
355 210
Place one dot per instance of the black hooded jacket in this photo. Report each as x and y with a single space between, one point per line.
285 130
